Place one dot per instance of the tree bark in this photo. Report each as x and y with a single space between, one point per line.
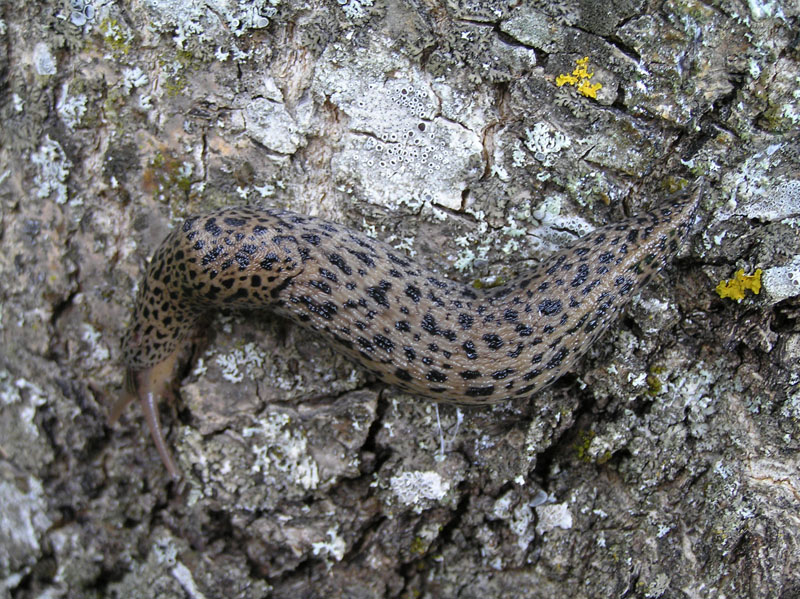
477 137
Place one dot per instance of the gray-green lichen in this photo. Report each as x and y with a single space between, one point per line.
24 521
396 130
664 466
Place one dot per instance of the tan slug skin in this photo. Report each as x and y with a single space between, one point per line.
408 326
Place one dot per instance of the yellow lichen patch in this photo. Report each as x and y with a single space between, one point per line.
589 90
734 288
580 78
566 79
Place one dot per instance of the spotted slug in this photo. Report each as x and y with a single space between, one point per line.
405 324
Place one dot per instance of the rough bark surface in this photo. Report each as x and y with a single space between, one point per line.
474 136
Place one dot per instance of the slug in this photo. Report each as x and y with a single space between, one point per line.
407 325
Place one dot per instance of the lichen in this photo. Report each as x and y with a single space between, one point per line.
673 184
582 445
132 78
52 168
26 395
699 409
355 9
545 142
166 175
791 110
240 363
579 78
395 135
205 21
735 288
782 282
756 192
98 353
23 523
171 569
269 123
71 108
115 37
279 446
175 73
43 59
552 516
413 487
654 385
334 546
418 546
81 12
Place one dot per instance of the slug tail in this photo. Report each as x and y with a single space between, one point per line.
149 403
148 386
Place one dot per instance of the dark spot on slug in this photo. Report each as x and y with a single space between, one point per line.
339 262
501 374
494 342
413 292
402 375
384 343
212 227
378 293
469 349
479 391
469 375
435 376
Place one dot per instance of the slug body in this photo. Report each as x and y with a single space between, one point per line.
408 326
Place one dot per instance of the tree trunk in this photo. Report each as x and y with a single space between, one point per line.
477 137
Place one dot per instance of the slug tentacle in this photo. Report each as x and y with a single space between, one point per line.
407 325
